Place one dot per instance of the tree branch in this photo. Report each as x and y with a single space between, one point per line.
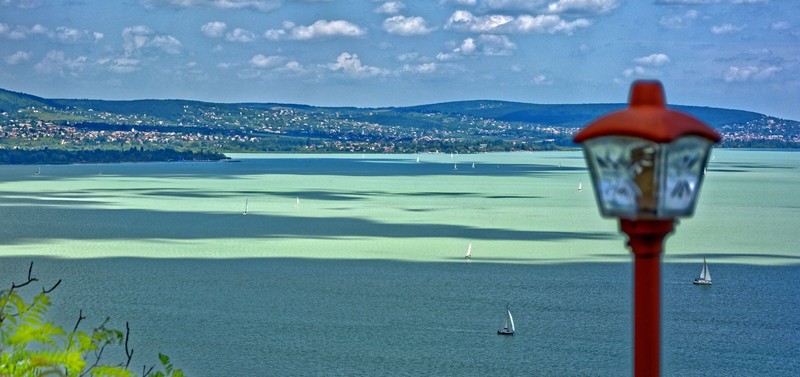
128 353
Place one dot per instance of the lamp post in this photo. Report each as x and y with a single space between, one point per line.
647 163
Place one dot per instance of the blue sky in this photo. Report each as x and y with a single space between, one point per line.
742 54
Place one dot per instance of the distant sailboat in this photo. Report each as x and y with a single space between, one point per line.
508 324
469 252
418 159
473 165
38 170
455 166
580 185
245 207
297 202
705 276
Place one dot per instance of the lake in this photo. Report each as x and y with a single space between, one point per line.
354 264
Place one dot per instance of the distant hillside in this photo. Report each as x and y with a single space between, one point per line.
29 121
577 115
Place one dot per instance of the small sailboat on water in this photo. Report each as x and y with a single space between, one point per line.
245 207
508 324
580 185
705 276
469 252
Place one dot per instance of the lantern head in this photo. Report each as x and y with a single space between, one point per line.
647 161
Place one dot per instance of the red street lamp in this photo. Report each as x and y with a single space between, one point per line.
647 164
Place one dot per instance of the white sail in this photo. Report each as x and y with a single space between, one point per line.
510 321
705 275
245 208
469 251
580 185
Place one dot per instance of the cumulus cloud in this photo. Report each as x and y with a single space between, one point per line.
750 73
122 65
679 21
259 5
263 61
484 44
142 37
726 29
583 6
20 32
56 63
214 29
18 57
654 60
69 35
351 66
390 7
463 20
240 35
401 25
424 68
317 30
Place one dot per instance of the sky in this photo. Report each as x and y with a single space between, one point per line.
736 54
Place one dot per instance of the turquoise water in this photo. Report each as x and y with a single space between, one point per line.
367 277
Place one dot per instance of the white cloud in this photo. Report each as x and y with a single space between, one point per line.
56 63
679 21
550 24
655 60
292 67
214 29
750 73
467 47
351 65
139 37
635 71
781 25
390 7
583 6
123 65
484 44
317 30
401 25
425 68
18 57
495 23
262 61
726 29
240 35
20 32
542 80
260 5
496 45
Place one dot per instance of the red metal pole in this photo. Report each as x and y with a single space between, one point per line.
646 239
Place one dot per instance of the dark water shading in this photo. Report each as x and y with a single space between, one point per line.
26 223
339 166
257 317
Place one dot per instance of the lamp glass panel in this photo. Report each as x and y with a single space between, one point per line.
625 175
685 160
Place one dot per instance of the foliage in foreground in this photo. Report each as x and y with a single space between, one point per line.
31 346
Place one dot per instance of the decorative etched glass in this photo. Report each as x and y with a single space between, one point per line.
635 178
685 159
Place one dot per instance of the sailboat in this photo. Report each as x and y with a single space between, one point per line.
580 185
469 252
38 170
705 276
508 325
245 208
297 202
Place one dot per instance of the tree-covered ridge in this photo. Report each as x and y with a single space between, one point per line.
31 122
